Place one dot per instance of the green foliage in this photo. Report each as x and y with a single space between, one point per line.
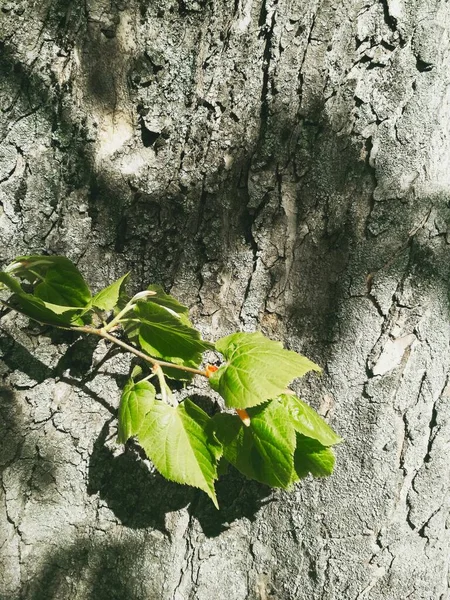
164 334
311 457
136 401
181 445
108 298
265 449
256 370
307 422
275 438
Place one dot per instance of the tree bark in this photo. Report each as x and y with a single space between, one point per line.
277 165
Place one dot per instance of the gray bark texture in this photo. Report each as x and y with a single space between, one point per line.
278 165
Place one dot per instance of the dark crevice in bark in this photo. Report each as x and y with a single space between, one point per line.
148 137
267 33
300 72
247 223
372 297
391 21
423 66
188 560
431 425
373 175
422 530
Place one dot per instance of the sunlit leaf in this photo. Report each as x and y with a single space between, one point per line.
256 369
108 298
264 450
179 443
308 422
136 401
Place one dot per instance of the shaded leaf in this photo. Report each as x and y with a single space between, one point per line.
263 451
57 280
38 310
169 303
178 374
179 443
108 298
311 457
136 401
256 370
10 283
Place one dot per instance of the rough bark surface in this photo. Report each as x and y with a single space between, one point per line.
277 164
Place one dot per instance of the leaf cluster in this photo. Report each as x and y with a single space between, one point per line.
270 436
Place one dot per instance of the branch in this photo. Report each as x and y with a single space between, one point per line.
153 361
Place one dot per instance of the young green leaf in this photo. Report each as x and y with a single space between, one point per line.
57 280
136 401
263 451
108 298
256 370
163 335
180 445
11 283
311 457
307 422
38 310
170 304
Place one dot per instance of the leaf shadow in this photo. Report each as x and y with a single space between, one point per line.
140 497
100 570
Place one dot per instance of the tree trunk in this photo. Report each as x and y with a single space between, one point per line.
279 165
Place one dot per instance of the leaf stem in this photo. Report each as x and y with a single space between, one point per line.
129 306
153 361
166 393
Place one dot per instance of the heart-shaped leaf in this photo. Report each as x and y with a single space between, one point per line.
108 298
136 401
180 444
256 370
265 449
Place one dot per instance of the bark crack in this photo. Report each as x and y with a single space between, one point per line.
267 32
391 21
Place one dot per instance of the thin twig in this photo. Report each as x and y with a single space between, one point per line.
153 361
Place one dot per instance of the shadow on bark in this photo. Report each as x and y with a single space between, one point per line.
11 424
98 570
140 497
73 368
152 230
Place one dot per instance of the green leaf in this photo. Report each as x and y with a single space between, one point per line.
311 457
108 298
307 422
169 303
57 280
264 450
136 401
38 310
10 283
162 335
256 370
179 443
